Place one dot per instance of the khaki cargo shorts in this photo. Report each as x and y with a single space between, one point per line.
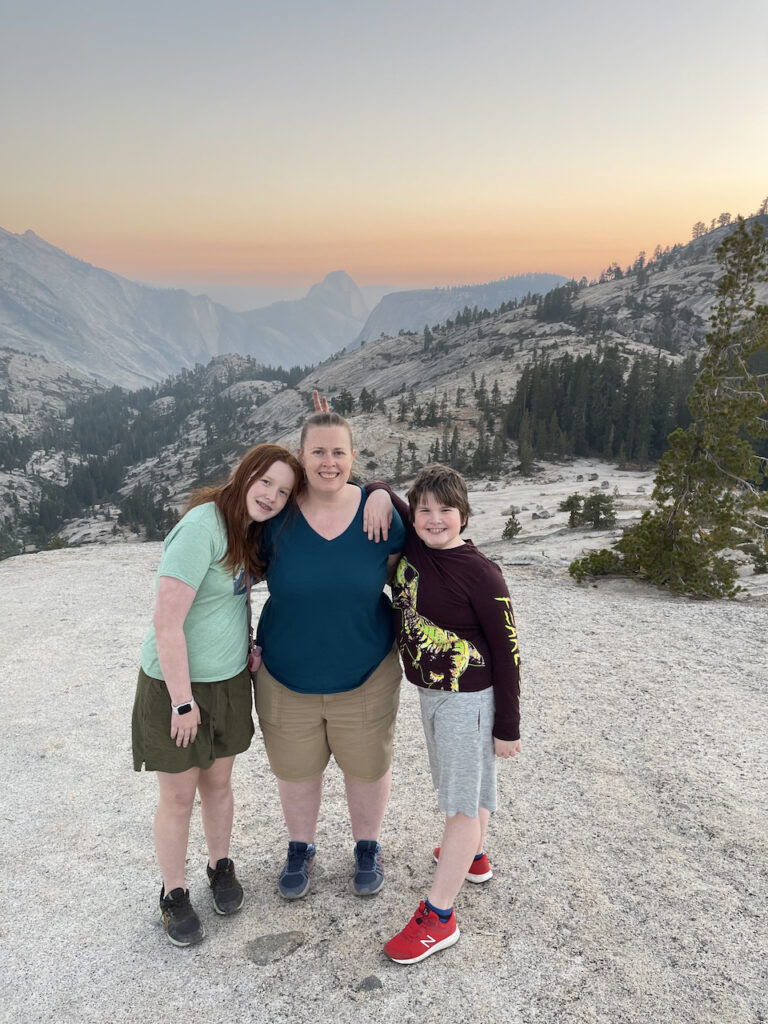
302 730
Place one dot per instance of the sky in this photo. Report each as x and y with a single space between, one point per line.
253 146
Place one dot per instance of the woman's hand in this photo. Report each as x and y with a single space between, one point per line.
377 515
321 404
184 727
507 748
254 659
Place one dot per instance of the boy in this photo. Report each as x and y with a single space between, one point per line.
458 641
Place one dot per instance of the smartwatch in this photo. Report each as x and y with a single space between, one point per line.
185 708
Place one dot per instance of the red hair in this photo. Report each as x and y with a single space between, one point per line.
242 533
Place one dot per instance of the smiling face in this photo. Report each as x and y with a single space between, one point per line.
327 456
269 491
436 524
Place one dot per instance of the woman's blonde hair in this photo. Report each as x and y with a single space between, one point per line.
325 419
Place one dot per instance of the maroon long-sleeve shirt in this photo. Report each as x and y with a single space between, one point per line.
454 623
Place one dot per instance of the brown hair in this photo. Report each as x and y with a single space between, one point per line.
446 485
229 498
324 419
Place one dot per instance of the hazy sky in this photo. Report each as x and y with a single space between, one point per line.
412 142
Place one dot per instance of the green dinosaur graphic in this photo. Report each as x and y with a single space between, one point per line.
428 638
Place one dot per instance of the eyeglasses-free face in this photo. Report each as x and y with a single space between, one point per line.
267 494
327 457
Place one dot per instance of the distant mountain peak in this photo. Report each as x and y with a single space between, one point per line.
340 292
132 334
35 244
339 277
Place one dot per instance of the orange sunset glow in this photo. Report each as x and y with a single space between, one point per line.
425 144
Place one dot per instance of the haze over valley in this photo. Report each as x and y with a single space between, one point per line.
82 462
127 333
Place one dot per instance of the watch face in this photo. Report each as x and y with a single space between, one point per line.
183 709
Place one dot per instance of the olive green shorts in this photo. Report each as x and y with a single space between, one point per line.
302 730
225 729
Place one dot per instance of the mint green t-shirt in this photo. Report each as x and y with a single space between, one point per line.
216 627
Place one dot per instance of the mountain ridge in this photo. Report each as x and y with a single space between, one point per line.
404 396
131 334
411 310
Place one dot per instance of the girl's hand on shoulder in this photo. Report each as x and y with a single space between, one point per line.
507 748
184 727
377 515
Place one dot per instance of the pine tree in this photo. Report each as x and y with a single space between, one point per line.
497 453
398 471
344 402
599 511
453 455
444 450
511 528
431 414
524 448
573 504
367 400
706 492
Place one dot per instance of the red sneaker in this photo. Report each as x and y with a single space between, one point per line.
424 934
479 870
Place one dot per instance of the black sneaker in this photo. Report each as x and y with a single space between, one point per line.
227 891
182 925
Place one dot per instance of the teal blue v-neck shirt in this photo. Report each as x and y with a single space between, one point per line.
327 623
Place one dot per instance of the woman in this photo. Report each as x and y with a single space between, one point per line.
192 712
330 678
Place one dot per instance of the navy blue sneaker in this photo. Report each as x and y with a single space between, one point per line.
369 874
294 878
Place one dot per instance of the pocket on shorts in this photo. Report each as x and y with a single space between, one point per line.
154 707
267 693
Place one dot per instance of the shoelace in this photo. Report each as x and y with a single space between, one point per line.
418 918
366 861
178 902
297 859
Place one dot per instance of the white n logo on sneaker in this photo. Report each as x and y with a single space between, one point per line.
429 941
